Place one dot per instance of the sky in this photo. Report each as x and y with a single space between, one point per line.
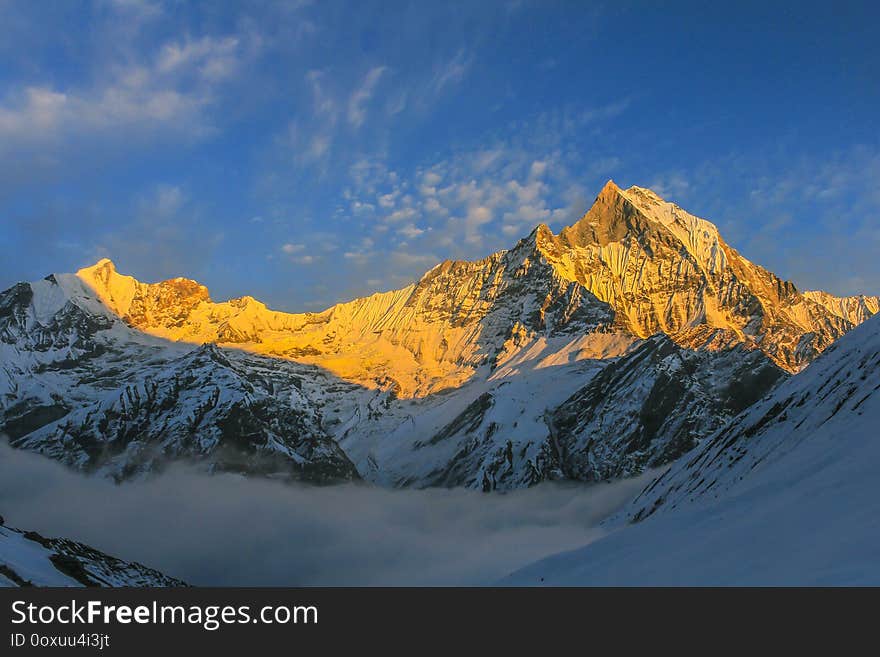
308 153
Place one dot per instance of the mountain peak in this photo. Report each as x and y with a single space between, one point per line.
610 187
246 302
666 270
659 268
113 289
609 193
104 267
645 192
605 221
642 213
127 297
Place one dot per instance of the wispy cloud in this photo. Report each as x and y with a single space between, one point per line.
169 90
168 235
324 105
310 137
361 96
451 71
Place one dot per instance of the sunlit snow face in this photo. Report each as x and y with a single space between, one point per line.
227 530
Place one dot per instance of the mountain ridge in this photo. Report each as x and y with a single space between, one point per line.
466 377
654 266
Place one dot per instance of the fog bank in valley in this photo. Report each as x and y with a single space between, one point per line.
230 530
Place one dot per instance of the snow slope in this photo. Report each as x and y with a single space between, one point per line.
28 559
653 405
785 494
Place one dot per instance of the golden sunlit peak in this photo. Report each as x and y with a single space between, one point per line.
103 263
610 186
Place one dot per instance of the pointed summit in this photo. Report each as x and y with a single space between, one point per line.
105 263
141 303
113 289
604 222
640 213
663 269
101 269
610 187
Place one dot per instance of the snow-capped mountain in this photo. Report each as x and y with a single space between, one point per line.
28 559
80 385
424 338
634 263
534 363
854 309
232 414
784 494
665 270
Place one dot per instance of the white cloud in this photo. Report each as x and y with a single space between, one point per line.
478 215
538 169
291 248
325 106
361 208
169 199
672 186
451 72
357 113
410 231
403 214
433 206
604 112
212 57
486 158
432 178
467 205
358 256
368 174
171 90
387 200
37 110
362 253
397 104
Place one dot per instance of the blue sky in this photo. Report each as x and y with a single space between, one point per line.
306 153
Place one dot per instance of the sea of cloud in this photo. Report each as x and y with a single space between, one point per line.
235 531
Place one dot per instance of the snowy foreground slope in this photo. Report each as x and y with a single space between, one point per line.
28 559
785 494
